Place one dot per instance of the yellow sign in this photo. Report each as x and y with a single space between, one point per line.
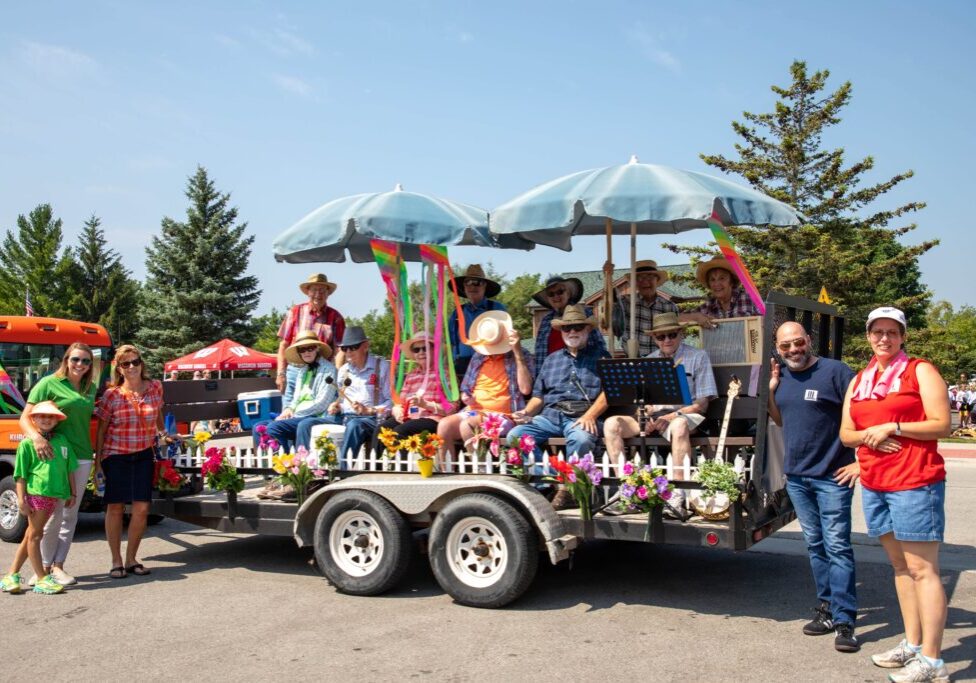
824 299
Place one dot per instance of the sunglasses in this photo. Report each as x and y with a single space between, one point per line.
666 335
307 349
798 343
573 328
470 282
418 349
878 335
555 292
354 347
83 361
134 363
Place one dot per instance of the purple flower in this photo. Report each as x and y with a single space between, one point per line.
627 490
665 495
572 477
628 469
642 492
596 476
661 482
647 468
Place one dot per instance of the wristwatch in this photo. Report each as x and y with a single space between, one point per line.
897 429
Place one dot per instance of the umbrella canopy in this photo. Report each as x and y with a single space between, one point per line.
407 218
224 355
657 199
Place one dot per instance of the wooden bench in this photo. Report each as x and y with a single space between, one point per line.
216 399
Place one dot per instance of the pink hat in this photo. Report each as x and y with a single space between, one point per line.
48 408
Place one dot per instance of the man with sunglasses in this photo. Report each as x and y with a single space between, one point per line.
313 315
478 290
676 423
558 293
806 398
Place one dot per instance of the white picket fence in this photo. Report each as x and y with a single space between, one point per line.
464 463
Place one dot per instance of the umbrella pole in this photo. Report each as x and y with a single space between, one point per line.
632 345
608 288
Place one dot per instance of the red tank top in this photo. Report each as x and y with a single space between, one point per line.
918 463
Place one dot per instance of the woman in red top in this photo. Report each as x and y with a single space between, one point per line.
130 416
895 411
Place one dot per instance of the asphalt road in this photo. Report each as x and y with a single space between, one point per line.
236 607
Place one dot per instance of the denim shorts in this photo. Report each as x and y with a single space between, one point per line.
913 515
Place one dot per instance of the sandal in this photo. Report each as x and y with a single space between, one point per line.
118 573
137 569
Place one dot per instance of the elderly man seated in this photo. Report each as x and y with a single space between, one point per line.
675 422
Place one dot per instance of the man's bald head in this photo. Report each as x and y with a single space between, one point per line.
794 346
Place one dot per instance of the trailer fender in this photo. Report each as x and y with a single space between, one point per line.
415 496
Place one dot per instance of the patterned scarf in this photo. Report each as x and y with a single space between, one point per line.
872 386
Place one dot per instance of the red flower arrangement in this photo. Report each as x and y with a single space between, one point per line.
166 478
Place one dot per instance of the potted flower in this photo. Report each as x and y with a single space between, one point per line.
425 446
579 476
720 483
487 437
166 478
391 445
328 454
221 475
518 456
298 470
643 489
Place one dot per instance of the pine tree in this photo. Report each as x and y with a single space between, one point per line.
33 260
845 246
104 291
196 292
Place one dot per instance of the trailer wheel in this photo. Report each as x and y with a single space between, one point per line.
12 523
362 543
483 551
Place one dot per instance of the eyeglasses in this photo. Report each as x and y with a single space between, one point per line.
418 349
787 345
878 335
354 347
307 349
666 335
573 328
471 282
134 363
83 361
555 292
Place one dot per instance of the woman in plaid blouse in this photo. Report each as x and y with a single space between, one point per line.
726 297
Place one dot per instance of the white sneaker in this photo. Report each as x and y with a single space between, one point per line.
33 581
62 577
918 670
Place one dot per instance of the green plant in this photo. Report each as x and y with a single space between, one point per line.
716 475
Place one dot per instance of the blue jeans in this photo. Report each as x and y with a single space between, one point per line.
912 514
824 509
578 440
359 431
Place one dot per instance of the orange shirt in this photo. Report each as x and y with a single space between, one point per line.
491 387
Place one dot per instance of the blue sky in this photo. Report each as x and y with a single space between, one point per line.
107 108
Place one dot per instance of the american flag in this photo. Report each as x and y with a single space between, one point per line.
28 309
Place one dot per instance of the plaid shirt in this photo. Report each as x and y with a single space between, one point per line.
517 401
740 306
698 369
412 383
132 423
595 340
559 375
471 311
645 318
328 324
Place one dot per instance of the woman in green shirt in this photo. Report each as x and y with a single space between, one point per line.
72 388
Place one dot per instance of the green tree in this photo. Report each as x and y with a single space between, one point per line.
33 260
103 290
846 244
265 331
948 340
516 294
196 289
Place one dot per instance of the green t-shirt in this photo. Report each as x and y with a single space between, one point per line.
46 477
76 406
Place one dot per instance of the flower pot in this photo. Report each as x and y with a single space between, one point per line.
426 467
231 504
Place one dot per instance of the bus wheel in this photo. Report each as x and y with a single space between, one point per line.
483 551
362 543
12 523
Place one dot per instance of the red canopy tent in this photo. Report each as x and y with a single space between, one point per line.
226 354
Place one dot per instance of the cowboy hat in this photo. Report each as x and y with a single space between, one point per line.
666 322
574 314
407 347
705 267
489 332
306 339
317 279
574 288
648 266
492 288
48 408
353 336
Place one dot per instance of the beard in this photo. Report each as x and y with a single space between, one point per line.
798 361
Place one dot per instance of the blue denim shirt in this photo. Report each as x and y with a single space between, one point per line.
595 340
562 376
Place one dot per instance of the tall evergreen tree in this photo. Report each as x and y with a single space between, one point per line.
196 292
846 246
104 291
33 260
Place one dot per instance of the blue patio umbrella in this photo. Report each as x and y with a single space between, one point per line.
410 219
629 199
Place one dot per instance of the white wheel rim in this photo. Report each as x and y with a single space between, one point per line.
356 543
9 511
476 552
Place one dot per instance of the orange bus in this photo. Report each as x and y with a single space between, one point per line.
30 348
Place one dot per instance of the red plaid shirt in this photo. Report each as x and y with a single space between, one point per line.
411 385
328 324
132 422
740 306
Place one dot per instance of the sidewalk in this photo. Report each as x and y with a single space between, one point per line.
963 451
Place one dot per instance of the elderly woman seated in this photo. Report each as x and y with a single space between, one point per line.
727 298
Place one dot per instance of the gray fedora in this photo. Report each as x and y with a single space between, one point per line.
353 336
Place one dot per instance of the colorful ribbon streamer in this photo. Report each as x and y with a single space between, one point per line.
728 251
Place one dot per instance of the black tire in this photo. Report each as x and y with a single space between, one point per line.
12 523
384 556
476 523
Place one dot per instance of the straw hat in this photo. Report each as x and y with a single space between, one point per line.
701 272
574 288
492 288
406 347
666 322
648 266
317 279
574 314
48 408
489 333
306 339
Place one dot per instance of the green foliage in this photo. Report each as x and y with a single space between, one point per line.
948 340
516 294
265 331
33 259
196 291
717 475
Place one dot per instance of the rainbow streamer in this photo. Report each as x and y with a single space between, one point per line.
8 387
724 241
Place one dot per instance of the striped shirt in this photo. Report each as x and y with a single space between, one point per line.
412 383
132 422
